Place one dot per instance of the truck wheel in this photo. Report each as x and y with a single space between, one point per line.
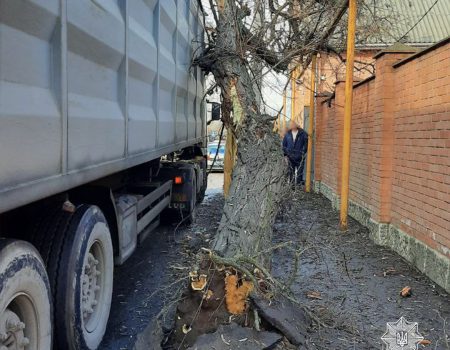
80 265
193 203
201 196
202 192
25 298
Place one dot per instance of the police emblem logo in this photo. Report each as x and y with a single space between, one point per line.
401 335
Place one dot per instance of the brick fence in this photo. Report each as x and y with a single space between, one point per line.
400 155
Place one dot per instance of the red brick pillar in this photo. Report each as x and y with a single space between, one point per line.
318 140
383 133
339 123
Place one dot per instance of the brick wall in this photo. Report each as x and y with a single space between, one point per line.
400 150
421 156
330 69
362 146
329 136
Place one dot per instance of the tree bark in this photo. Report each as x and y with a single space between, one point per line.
257 188
259 175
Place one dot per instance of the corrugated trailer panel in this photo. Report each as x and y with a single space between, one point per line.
30 103
167 72
142 79
91 87
198 44
96 82
183 62
192 80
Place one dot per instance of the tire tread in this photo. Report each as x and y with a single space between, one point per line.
52 239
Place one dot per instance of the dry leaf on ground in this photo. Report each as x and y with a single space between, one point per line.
425 342
406 292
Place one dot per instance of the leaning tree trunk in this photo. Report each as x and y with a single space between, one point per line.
258 177
256 190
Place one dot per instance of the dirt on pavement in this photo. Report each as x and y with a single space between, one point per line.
149 283
350 284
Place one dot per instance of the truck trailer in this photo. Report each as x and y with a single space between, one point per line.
102 131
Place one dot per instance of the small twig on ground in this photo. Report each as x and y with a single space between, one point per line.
159 290
444 328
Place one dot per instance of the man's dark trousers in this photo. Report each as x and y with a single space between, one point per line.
294 150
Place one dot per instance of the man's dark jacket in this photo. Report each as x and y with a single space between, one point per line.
295 149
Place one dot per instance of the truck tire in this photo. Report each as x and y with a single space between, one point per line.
193 203
201 194
79 257
25 298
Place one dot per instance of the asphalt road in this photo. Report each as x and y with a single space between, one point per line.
136 282
351 284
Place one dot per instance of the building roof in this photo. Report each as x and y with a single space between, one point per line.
414 22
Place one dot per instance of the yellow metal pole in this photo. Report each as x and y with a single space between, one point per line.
284 121
310 126
228 162
345 171
293 90
296 111
231 145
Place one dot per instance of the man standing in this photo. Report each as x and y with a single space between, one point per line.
295 143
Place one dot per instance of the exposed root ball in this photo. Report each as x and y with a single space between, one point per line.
217 295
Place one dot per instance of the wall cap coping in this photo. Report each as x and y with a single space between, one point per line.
355 81
422 52
396 48
325 94
328 99
365 81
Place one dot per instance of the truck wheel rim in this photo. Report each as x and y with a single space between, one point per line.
93 288
19 325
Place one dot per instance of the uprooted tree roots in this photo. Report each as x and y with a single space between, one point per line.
225 291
